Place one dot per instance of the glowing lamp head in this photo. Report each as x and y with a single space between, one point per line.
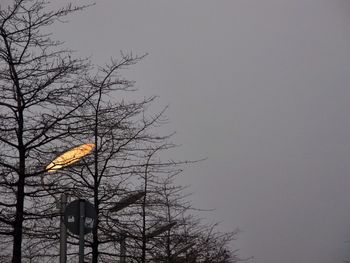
69 157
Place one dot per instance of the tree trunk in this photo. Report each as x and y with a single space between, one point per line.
17 231
18 224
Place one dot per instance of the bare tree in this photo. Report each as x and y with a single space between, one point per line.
39 92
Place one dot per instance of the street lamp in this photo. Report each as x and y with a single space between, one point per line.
123 203
161 230
69 157
126 201
182 250
158 231
65 159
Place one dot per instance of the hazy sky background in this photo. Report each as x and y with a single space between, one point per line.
260 88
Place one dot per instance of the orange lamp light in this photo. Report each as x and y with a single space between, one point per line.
69 157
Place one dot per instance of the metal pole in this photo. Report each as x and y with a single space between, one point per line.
81 230
63 231
122 247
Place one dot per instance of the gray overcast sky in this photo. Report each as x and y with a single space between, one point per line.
261 88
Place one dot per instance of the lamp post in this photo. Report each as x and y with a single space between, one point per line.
158 231
63 230
122 247
65 159
123 203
